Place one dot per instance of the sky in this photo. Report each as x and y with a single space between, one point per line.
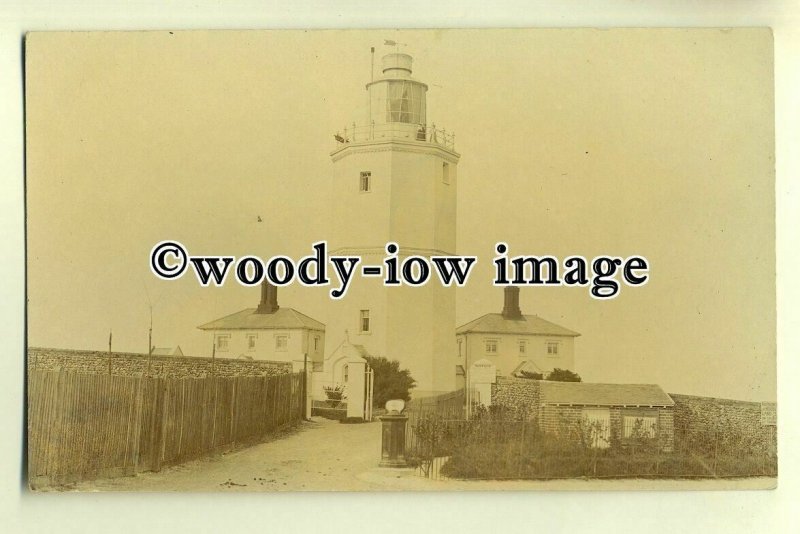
651 142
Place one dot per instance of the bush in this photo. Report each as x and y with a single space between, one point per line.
563 375
390 382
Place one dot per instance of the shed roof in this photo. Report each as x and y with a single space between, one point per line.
495 323
281 319
588 394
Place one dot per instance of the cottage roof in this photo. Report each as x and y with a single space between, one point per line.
349 351
527 366
248 319
495 323
588 394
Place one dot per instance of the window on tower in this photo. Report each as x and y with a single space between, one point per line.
364 183
364 325
446 173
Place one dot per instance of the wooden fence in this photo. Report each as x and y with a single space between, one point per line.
86 426
450 405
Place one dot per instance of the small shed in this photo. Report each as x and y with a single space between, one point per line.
621 412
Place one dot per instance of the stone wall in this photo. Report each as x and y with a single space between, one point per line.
131 364
520 396
735 423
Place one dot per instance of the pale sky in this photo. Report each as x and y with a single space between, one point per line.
621 142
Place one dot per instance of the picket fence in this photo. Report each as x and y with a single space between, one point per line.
86 426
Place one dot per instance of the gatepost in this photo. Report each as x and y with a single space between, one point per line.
482 374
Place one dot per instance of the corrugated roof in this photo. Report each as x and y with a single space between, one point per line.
282 319
587 394
495 323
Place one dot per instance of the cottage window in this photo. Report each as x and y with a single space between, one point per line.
491 346
316 343
522 347
222 342
638 426
552 348
364 323
364 183
251 341
281 343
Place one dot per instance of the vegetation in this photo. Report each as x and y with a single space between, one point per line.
335 394
492 447
390 382
563 375
556 375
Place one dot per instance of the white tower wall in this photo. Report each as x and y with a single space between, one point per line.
411 201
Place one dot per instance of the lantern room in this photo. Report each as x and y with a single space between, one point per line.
396 97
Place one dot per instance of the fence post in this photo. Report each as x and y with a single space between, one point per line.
232 437
157 440
137 424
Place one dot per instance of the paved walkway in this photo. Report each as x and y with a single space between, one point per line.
324 455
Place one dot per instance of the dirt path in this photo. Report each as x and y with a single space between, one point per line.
324 455
319 455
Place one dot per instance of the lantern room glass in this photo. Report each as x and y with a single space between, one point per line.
405 102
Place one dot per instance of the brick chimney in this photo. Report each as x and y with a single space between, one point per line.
269 298
511 303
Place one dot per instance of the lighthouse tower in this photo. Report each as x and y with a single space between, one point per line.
394 180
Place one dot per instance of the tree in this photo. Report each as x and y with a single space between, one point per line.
563 375
390 382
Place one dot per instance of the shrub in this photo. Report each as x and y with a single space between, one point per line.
335 394
563 375
390 382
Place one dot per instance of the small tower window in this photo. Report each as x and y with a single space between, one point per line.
446 173
365 182
364 326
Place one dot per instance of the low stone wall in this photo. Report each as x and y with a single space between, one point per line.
735 423
131 364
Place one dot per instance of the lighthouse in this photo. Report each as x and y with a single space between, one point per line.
394 180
